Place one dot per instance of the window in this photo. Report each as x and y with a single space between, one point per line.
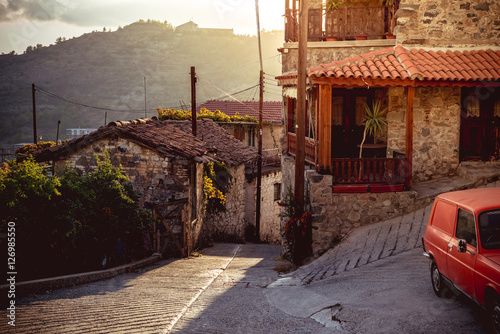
471 104
489 229
466 227
337 110
360 109
277 191
251 138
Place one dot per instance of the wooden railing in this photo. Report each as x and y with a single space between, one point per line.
369 171
342 23
309 147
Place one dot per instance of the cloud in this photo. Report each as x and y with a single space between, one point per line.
40 10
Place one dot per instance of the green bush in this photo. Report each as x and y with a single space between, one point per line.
72 223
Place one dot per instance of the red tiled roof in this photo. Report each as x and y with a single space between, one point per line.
399 63
271 111
168 137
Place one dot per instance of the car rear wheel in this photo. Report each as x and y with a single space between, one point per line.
494 310
437 279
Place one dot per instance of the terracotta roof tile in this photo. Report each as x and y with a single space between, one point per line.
416 64
271 111
213 143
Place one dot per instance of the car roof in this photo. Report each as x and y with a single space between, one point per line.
475 199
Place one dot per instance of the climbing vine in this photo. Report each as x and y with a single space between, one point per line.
216 184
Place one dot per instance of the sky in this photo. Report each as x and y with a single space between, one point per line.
31 22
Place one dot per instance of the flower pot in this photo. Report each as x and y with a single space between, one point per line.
361 38
390 36
331 39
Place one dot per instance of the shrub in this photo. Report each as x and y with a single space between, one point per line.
72 223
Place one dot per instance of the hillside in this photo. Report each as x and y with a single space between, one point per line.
107 69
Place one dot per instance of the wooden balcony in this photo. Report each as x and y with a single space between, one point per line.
369 174
309 147
346 23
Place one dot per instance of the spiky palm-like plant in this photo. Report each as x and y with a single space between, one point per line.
374 121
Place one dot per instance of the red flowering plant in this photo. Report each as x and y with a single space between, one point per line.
296 232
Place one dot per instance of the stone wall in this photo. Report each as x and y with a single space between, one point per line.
270 231
448 23
156 179
335 215
436 129
230 225
319 53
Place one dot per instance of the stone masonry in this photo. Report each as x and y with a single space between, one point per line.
448 23
436 130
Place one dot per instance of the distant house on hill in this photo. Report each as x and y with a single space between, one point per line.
78 132
193 28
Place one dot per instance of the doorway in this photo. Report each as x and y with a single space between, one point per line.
348 111
480 124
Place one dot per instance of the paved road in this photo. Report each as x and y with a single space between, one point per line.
375 281
229 290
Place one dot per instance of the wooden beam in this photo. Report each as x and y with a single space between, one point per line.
301 108
325 125
410 94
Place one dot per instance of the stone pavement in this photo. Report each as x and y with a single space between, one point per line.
378 241
146 301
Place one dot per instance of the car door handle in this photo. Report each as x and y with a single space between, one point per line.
450 246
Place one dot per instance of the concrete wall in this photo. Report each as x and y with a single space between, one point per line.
445 23
436 130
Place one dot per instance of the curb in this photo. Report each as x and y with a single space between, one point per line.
46 284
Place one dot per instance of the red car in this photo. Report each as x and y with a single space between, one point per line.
462 241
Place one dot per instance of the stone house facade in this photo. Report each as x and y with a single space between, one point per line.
271 171
439 80
165 162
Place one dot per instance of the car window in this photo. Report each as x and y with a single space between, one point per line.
489 229
466 227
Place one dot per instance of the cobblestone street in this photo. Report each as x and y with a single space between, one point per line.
377 274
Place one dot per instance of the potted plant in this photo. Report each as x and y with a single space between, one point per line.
391 4
374 122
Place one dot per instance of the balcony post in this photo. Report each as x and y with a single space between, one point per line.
325 126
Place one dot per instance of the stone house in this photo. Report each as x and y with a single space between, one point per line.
271 170
434 66
165 163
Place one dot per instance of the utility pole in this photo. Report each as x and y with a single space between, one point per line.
33 89
261 102
301 107
193 100
145 100
57 136
259 158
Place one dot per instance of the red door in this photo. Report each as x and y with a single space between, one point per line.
480 123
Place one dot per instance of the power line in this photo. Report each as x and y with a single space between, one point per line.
55 96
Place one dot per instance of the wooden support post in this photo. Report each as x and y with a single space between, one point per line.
193 100
301 107
409 136
259 159
325 125
35 136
